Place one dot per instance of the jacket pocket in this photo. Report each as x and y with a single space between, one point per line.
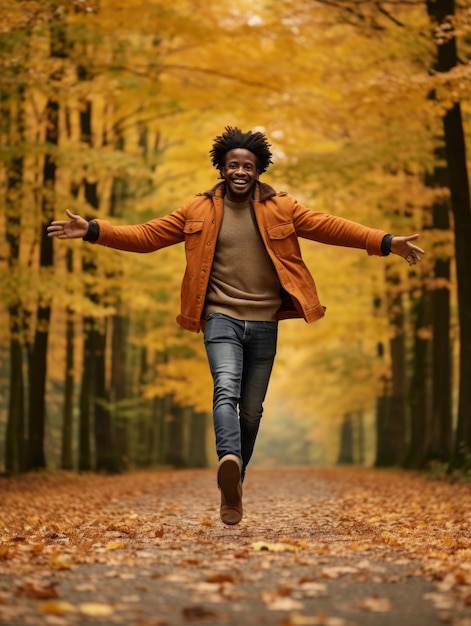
192 231
283 239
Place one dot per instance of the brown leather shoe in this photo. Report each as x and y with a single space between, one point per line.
231 489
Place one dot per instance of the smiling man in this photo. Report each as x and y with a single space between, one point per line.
244 273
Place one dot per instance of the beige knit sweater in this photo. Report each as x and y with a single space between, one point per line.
243 281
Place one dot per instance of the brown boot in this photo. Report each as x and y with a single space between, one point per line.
231 489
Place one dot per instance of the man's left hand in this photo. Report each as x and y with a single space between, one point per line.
404 247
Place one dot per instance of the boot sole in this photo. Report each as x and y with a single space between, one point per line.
228 480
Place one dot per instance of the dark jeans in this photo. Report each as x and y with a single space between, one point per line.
240 356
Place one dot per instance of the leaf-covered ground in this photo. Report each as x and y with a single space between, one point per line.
333 547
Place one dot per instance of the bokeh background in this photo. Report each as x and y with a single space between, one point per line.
109 108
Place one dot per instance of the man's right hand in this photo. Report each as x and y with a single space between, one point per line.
75 228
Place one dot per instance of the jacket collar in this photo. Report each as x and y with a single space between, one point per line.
262 191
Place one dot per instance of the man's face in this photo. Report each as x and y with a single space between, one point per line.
240 173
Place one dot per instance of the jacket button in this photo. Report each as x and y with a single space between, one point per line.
209 243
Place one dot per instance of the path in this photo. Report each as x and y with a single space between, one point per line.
336 547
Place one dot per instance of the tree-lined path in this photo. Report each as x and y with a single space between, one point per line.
108 109
333 547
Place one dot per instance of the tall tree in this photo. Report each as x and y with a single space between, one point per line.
398 415
16 427
418 447
93 343
38 357
67 416
442 14
440 440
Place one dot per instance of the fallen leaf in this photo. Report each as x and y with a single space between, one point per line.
338 571
296 619
38 591
57 608
275 602
60 561
376 605
311 589
115 545
260 546
36 548
389 538
95 609
222 578
199 613
4 551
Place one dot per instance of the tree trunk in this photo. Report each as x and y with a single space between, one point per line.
420 382
174 454
160 410
118 387
361 447
38 371
38 356
398 415
86 397
197 440
383 400
441 12
105 451
442 422
15 445
67 419
118 390
384 456
95 406
346 455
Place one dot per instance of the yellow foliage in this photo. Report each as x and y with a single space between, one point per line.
353 129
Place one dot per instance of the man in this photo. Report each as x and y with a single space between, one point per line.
244 273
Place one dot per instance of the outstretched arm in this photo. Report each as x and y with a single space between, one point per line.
74 228
404 247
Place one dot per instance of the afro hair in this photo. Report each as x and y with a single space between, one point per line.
232 138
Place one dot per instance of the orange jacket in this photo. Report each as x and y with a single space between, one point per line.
280 219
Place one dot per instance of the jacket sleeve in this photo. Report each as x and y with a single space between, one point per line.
148 237
336 231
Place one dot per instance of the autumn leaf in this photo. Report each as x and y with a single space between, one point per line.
38 590
4 551
57 608
297 619
115 545
37 548
60 560
95 609
376 605
199 613
280 602
263 546
338 571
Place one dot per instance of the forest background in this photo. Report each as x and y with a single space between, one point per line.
109 108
